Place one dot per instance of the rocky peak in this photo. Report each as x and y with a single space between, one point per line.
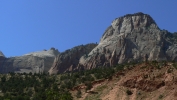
131 38
55 51
128 23
45 53
137 20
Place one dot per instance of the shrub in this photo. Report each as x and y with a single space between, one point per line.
160 96
175 65
88 86
78 95
129 92
169 70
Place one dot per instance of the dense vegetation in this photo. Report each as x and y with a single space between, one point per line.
22 86
30 86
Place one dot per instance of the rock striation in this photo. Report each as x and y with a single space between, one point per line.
68 60
131 38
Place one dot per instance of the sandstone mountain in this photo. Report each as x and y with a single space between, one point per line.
132 38
35 62
42 61
69 60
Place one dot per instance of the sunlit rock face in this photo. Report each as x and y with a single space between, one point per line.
35 62
131 38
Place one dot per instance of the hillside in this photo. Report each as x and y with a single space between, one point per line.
143 81
134 60
130 81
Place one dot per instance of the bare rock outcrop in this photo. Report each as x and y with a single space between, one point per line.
69 59
132 38
35 62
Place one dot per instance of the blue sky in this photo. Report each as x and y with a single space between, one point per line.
33 25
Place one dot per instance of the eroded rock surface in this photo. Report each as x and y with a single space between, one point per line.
36 62
69 60
131 38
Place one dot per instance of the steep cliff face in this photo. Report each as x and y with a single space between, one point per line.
133 37
69 60
35 62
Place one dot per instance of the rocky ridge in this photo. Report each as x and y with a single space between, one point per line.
36 62
69 59
132 38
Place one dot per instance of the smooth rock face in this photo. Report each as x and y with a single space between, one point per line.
35 62
69 60
131 38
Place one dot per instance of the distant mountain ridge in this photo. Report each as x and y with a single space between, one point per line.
42 61
36 62
130 38
51 53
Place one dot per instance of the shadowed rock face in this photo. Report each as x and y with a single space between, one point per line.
69 60
35 62
133 37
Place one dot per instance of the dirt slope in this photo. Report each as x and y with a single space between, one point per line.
146 81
